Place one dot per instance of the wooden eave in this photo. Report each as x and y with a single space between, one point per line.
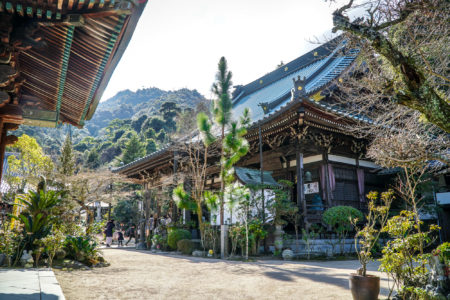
159 161
84 41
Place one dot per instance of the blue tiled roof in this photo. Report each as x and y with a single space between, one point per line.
253 177
319 67
317 73
280 88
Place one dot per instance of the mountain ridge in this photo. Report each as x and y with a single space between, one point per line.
127 104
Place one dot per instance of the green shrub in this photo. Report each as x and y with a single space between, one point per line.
159 242
81 248
10 240
52 243
443 251
60 254
185 246
176 235
338 217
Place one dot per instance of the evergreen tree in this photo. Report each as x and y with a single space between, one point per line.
137 124
233 144
169 111
154 122
66 159
222 115
150 133
134 149
118 134
161 136
151 146
93 159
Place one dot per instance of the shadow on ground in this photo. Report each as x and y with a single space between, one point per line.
34 296
317 271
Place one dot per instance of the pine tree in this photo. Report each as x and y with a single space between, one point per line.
66 159
222 115
134 149
151 146
233 144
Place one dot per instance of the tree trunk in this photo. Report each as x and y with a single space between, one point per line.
418 94
222 181
200 216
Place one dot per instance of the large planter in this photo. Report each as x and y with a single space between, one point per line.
278 237
364 287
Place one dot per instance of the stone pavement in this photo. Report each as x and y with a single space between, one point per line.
29 284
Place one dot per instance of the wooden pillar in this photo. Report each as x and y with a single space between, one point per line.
261 168
175 181
360 204
327 180
301 202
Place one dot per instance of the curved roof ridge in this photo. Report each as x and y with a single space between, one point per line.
316 54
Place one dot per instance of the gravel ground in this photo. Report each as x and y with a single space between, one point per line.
143 275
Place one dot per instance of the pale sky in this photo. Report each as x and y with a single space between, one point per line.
178 43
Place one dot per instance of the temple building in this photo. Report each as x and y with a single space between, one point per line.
56 58
296 133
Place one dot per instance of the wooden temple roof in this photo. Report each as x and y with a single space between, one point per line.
275 99
63 53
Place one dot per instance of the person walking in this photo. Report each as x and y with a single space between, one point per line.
120 238
131 233
109 232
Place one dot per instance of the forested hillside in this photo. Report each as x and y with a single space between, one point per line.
126 126
130 105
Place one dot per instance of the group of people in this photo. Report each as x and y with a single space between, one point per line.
155 226
109 231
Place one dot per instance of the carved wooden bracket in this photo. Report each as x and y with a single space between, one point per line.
275 142
300 134
358 147
324 140
253 147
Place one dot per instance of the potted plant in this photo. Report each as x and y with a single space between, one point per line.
362 285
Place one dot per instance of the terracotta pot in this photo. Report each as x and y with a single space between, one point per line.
364 287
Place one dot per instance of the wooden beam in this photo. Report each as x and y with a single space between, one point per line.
11 113
11 140
64 66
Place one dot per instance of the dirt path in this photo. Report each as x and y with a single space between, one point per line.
142 275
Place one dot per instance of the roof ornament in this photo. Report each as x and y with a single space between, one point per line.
264 106
298 92
237 90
